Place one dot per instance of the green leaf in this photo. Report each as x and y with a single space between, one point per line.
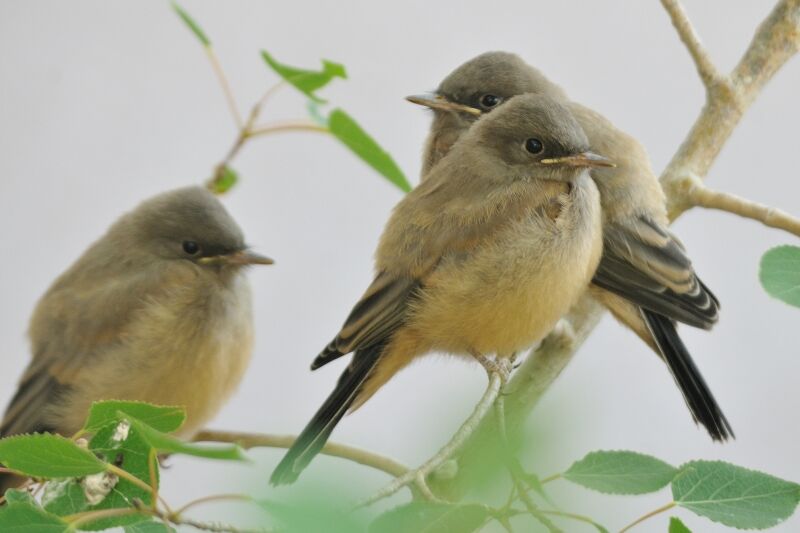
620 472
307 81
191 24
347 130
131 453
150 527
48 456
226 179
64 497
676 526
163 418
16 517
165 443
733 495
780 274
312 516
19 496
430 517
316 114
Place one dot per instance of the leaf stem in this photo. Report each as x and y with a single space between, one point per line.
548 479
651 514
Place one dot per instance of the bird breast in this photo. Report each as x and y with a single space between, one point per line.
508 294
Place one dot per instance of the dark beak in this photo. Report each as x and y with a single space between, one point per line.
440 103
585 159
240 258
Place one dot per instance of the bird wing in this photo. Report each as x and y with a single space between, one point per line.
73 325
647 265
377 315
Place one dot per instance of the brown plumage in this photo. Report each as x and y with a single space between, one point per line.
481 258
137 317
645 277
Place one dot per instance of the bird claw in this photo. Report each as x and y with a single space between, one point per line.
500 366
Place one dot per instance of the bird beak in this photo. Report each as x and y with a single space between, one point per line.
585 159
240 258
440 103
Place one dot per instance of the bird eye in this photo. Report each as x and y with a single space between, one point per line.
191 247
489 101
534 146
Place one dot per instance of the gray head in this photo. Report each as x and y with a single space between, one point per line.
477 87
187 224
532 136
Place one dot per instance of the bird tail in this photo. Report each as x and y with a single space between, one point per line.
695 391
318 430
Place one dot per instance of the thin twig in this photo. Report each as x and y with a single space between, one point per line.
702 196
573 516
77 520
295 125
226 87
705 67
641 519
456 442
257 440
214 498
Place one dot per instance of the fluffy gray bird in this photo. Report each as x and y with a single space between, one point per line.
645 277
481 258
156 310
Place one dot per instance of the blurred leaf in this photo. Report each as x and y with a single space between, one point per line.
223 183
47 456
780 274
733 495
316 113
430 517
19 496
191 24
676 526
307 81
25 517
64 497
165 443
308 517
130 454
150 527
620 472
163 418
344 128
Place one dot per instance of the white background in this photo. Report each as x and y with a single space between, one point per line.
103 104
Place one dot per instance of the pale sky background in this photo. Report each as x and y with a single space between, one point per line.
104 104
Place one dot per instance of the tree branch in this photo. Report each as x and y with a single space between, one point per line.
258 440
463 434
705 67
700 195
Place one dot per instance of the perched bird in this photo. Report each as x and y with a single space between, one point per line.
482 258
645 277
157 310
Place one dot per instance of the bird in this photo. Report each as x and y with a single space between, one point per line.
157 310
481 258
645 277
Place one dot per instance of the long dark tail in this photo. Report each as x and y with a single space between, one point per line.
318 430
693 387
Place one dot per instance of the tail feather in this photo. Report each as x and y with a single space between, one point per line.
318 430
695 391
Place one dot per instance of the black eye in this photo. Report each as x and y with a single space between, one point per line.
534 146
191 247
489 100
